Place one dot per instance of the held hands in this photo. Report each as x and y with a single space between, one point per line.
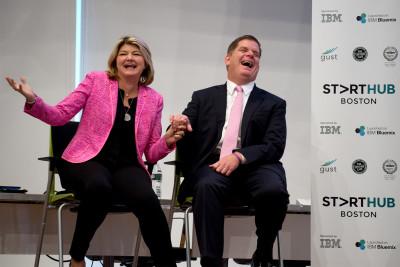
23 88
226 165
179 125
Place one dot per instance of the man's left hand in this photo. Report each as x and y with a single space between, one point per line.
226 165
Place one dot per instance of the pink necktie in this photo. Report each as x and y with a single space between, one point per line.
232 132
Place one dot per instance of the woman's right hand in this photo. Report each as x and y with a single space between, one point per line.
179 125
23 88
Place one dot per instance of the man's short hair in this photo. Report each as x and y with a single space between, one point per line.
235 42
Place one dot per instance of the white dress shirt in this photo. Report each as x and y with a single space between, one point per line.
230 97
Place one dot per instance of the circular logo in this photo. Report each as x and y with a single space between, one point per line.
361 244
360 130
360 53
359 166
362 18
389 166
390 53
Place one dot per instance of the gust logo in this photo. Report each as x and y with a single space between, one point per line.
328 167
329 55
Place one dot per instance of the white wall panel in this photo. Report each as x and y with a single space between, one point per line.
189 39
37 41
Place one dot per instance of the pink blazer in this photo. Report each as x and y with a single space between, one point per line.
97 96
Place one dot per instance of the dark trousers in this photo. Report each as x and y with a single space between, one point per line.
262 187
98 187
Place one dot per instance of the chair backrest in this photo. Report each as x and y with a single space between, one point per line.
179 198
61 136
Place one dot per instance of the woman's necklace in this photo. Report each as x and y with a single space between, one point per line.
127 116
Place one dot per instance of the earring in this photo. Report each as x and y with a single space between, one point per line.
142 79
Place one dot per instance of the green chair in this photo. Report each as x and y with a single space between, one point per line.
186 206
60 136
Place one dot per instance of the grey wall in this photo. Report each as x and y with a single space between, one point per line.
37 41
188 40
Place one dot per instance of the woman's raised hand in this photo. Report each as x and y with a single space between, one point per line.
23 88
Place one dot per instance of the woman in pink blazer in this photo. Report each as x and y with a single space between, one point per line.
121 121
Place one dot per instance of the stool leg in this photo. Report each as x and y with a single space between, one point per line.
279 250
44 220
188 256
108 261
137 247
60 235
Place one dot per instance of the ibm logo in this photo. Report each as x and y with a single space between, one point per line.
331 17
330 129
330 243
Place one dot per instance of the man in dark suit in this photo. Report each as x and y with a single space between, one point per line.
251 171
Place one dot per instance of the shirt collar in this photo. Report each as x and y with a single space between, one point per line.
246 87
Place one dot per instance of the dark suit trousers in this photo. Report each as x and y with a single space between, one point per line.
262 187
97 187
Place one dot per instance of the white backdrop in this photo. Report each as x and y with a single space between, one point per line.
189 39
37 41
354 129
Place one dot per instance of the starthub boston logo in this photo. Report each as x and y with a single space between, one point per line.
375 130
359 93
363 18
329 55
359 206
374 245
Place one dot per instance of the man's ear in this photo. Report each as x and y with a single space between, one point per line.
227 60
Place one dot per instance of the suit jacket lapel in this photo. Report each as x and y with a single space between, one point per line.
113 97
255 99
141 100
220 104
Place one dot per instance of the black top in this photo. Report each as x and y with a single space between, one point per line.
120 147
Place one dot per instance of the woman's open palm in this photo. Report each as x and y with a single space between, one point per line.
23 88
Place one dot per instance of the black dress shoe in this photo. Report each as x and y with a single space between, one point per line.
260 263
212 262
266 264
